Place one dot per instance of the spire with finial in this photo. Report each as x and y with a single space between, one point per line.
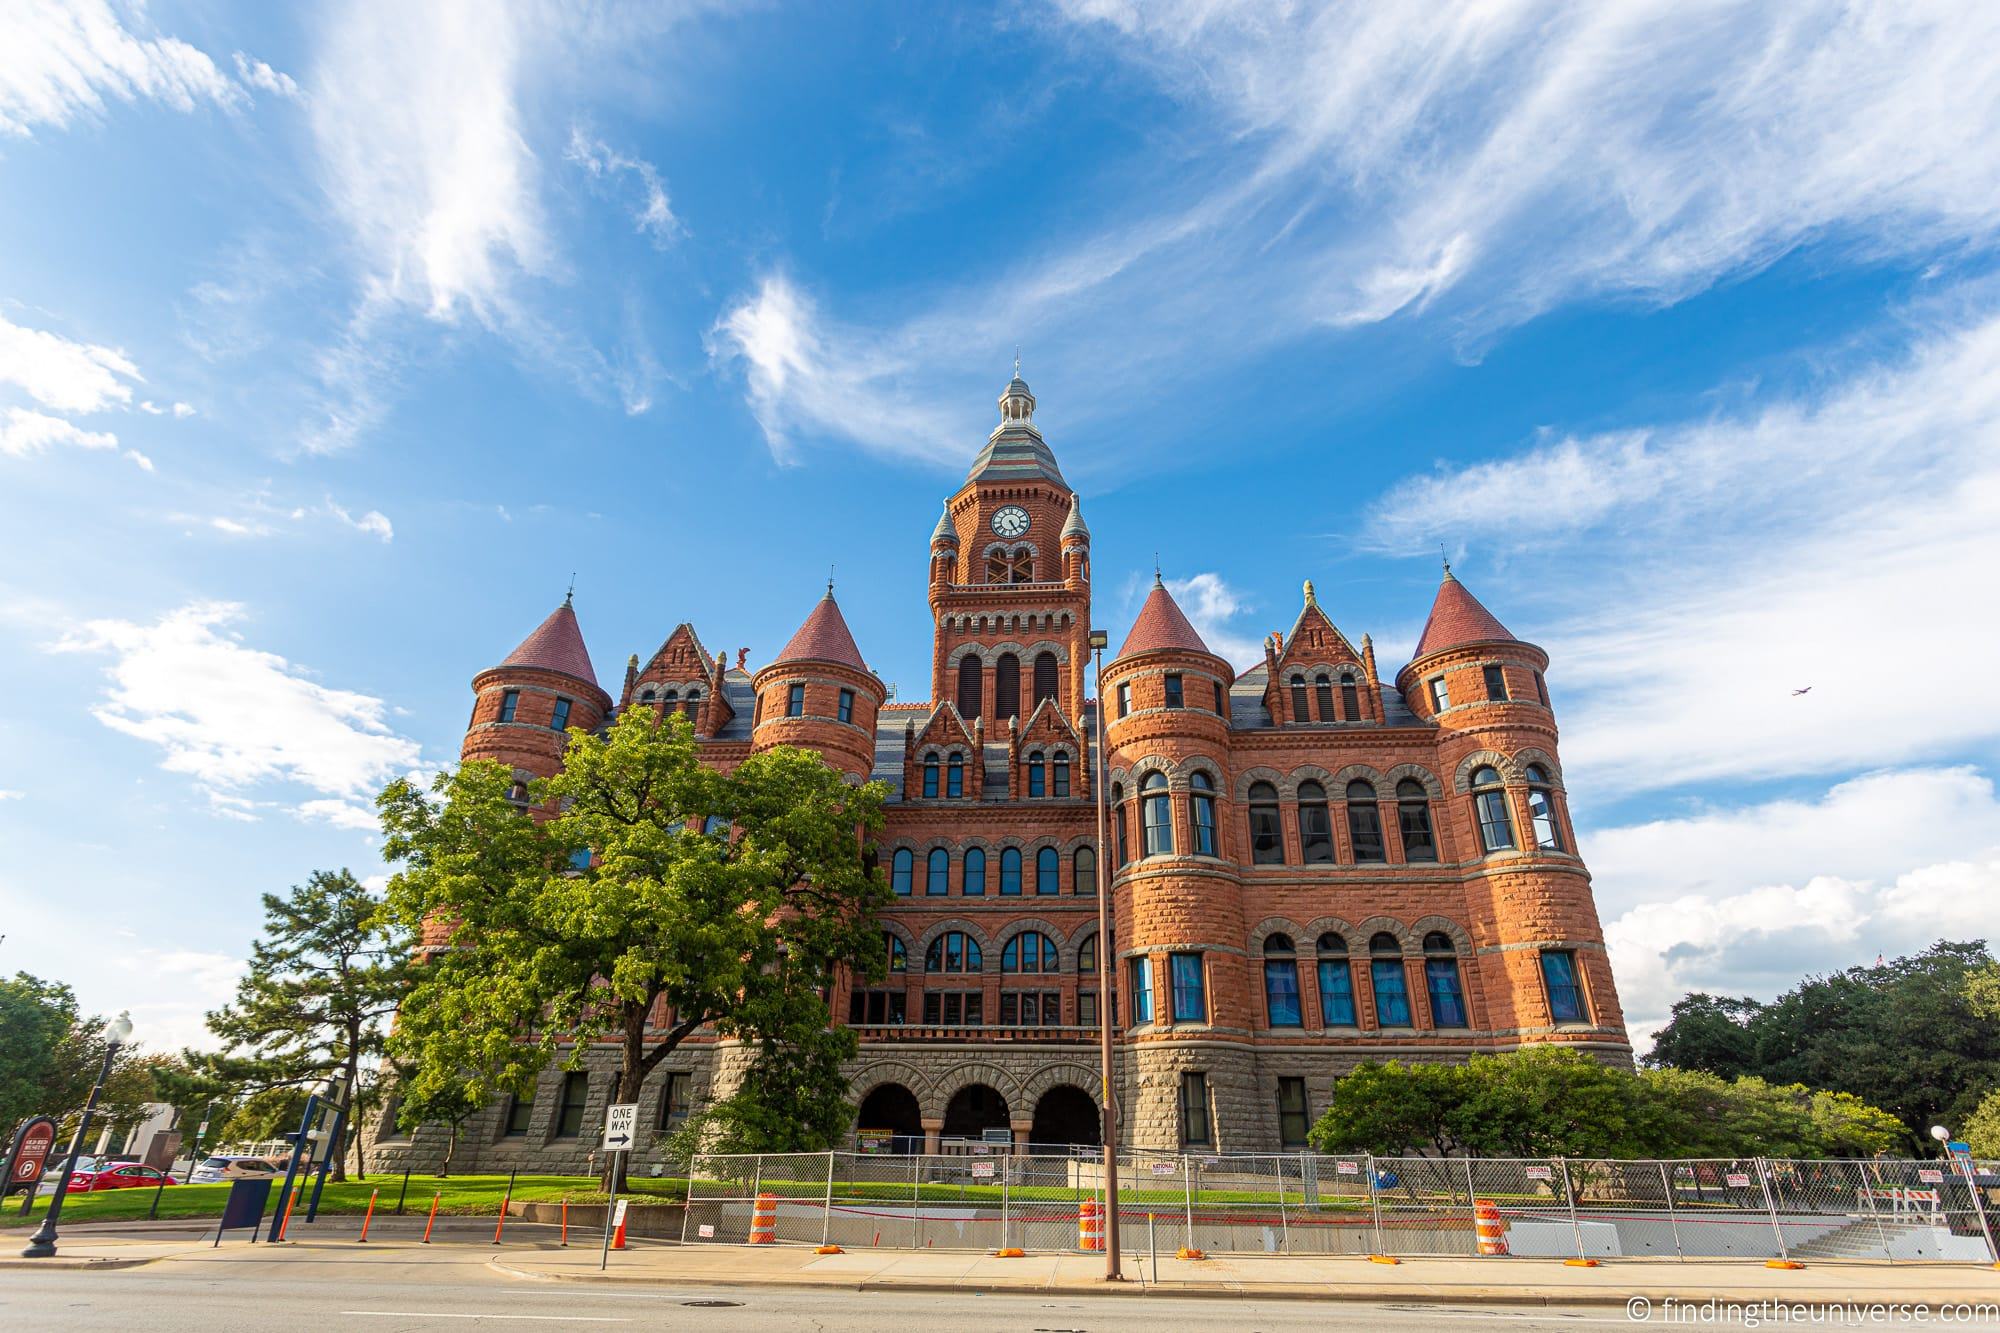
570 596
945 532
1444 557
1074 526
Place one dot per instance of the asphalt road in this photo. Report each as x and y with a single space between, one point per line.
210 1298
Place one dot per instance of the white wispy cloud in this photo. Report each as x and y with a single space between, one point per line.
256 74
1215 608
652 215
372 522
1745 900
356 816
24 432
61 61
6 795
236 719
64 375
1711 567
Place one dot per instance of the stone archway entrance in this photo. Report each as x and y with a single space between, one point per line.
974 1109
1066 1115
893 1107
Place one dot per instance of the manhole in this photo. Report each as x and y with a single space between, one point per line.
711 1305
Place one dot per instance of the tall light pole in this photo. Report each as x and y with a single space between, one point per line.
42 1245
1107 972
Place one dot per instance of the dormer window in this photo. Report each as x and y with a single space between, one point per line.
930 777
954 782
1350 698
1323 696
1299 703
1037 775
1059 773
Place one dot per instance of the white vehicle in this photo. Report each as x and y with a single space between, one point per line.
213 1169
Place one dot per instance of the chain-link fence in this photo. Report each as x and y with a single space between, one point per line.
985 1198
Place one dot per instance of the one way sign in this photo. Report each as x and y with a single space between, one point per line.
620 1120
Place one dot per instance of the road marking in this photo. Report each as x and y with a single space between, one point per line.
539 1318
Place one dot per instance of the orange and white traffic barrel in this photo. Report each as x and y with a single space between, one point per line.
1491 1226
764 1220
1089 1225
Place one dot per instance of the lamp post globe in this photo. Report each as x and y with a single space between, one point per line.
1940 1133
42 1245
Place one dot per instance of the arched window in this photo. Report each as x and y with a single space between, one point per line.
1413 818
937 873
1119 827
1336 983
1350 698
1489 802
1086 956
1030 951
1006 687
1315 825
1037 775
1442 981
692 706
1048 871
1267 839
974 885
1083 870
1364 822
1385 972
1281 983
899 871
1201 811
1059 773
899 958
1542 809
953 951
1156 816
930 777
1300 711
1045 676
954 775
1010 873
971 684
646 695
1323 696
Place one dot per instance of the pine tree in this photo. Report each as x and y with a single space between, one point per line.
328 971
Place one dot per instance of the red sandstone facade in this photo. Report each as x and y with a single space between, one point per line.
1310 866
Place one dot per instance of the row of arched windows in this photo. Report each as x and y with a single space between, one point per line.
1321 694
1387 979
1026 953
672 700
933 880
1045 677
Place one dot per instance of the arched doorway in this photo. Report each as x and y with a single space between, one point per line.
1065 1114
974 1109
893 1107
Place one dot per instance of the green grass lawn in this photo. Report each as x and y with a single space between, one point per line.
464 1195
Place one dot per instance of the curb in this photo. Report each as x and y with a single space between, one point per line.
1541 1297
80 1265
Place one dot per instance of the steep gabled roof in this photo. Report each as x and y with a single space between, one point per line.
1161 625
1457 618
824 638
556 645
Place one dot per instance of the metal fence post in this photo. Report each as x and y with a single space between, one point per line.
826 1214
1770 1205
1006 1210
1187 1172
916 1201
1472 1204
1374 1202
1667 1185
1569 1196
1866 1189
1284 1226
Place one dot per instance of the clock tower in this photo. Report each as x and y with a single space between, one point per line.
1010 586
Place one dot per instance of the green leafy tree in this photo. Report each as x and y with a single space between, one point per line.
1711 1033
51 1054
706 899
1543 1102
312 1008
1981 1130
1393 1109
1907 1037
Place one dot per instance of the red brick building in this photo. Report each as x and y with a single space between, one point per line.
1310 866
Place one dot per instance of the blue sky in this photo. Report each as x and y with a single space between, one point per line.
333 338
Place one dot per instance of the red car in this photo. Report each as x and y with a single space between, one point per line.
118 1176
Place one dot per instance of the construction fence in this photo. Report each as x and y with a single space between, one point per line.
1307 1203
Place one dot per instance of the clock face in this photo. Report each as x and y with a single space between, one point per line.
1011 521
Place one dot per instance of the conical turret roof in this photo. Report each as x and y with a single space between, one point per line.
1456 619
1074 525
944 531
556 645
1161 625
824 638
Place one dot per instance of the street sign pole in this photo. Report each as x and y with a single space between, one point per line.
621 1121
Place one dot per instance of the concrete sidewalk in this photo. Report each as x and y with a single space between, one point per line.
532 1255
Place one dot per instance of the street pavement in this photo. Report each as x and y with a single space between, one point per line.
127 1279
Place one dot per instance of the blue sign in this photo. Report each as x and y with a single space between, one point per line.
1958 1148
245 1207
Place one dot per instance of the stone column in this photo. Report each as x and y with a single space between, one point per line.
1021 1128
933 1135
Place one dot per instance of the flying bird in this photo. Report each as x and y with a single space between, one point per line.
1806 690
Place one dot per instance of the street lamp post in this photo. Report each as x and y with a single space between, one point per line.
1107 971
42 1245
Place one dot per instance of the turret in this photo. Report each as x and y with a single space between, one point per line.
1075 544
1467 660
525 705
819 694
944 549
